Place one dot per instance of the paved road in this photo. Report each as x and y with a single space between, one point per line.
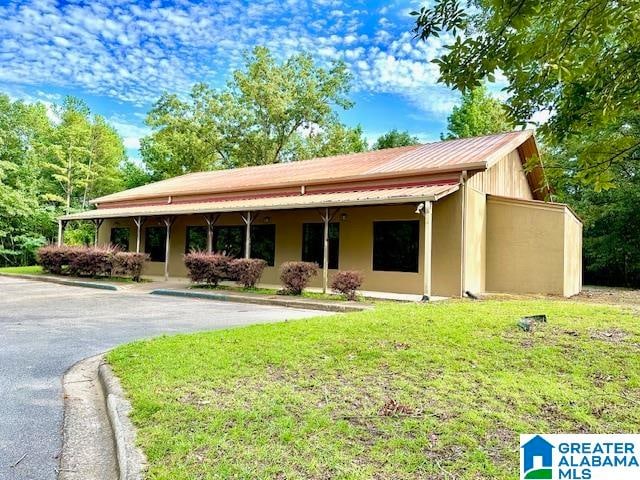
46 328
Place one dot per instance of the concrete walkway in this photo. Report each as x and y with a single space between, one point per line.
46 328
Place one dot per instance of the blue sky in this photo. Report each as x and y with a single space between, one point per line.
120 55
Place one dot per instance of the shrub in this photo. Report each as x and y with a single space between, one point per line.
247 271
53 258
295 276
207 267
92 261
347 283
129 264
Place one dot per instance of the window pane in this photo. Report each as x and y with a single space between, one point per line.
120 238
196 239
263 243
396 246
229 240
313 243
155 242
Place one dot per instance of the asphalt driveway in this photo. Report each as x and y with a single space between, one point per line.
46 328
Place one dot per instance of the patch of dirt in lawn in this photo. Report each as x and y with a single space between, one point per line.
612 295
614 335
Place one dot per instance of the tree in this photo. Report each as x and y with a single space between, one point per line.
395 138
478 114
336 139
134 175
574 60
263 110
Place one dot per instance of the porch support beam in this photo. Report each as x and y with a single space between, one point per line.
139 221
62 225
168 222
326 216
248 218
211 220
428 232
98 223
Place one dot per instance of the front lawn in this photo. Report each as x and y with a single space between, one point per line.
31 270
438 391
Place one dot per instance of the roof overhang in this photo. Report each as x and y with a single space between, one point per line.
388 196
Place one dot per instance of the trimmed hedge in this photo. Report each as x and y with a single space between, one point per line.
295 276
91 261
210 268
347 283
247 271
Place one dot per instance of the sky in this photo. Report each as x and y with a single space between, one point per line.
120 55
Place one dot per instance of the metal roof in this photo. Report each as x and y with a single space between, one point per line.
333 199
431 158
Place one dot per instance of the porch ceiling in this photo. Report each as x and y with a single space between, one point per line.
333 199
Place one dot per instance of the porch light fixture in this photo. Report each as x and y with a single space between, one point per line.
343 217
267 219
419 208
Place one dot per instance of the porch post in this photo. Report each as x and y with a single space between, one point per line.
62 225
247 239
98 223
139 221
168 221
428 231
211 221
325 252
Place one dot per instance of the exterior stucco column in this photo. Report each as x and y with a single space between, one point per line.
139 221
247 238
168 222
427 245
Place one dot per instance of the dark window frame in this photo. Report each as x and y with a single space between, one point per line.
113 240
158 253
388 245
265 247
188 239
315 253
241 229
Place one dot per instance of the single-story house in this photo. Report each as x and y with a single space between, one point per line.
440 219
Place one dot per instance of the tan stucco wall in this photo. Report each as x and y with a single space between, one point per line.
528 246
476 246
572 254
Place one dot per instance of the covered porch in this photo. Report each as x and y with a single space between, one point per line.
400 239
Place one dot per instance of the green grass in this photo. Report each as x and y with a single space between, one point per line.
274 291
31 270
305 399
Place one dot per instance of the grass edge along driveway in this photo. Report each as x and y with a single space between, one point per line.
404 391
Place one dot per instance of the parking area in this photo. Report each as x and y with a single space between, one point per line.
46 328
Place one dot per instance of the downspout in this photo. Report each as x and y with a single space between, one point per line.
463 228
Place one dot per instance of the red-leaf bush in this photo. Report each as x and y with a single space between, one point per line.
208 268
129 264
295 276
53 258
347 283
90 261
247 271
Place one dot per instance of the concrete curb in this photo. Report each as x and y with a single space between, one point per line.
284 302
130 459
61 281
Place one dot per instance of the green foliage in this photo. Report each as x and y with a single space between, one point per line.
264 115
576 60
47 168
395 138
133 175
236 403
478 114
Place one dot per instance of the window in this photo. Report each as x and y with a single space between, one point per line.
196 240
263 243
396 246
120 238
155 243
229 240
313 243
